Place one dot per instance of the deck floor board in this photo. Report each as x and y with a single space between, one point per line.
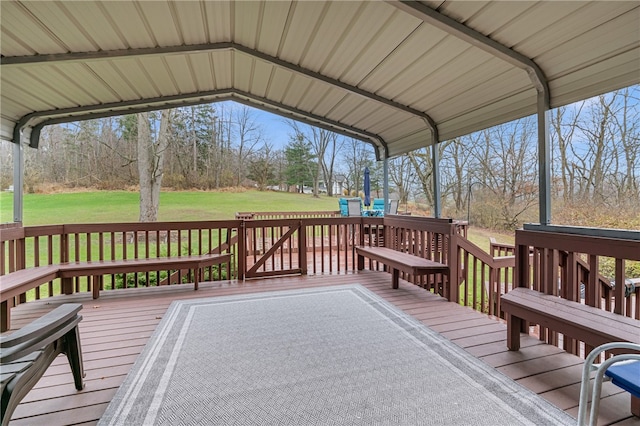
116 327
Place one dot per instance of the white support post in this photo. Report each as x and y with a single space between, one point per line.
544 160
435 157
385 183
18 179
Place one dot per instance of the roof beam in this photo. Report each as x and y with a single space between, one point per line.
479 40
66 115
211 47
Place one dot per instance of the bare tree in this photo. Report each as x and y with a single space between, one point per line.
249 136
262 167
150 163
453 163
507 169
627 127
324 145
563 122
357 156
402 174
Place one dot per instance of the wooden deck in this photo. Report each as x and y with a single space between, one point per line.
116 327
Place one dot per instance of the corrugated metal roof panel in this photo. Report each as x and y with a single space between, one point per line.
201 64
621 71
223 69
512 108
218 15
303 18
191 19
261 78
275 16
159 21
181 72
574 51
388 35
25 98
128 22
19 24
243 67
328 40
136 78
279 84
368 65
495 15
525 28
298 87
248 20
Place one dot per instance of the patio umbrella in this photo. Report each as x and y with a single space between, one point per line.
367 187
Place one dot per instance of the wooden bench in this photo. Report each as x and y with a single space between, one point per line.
97 269
19 282
591 325
399 261
26 354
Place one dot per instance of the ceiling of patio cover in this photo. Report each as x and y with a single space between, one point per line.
393 74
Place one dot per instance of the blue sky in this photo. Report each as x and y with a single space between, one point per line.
275 129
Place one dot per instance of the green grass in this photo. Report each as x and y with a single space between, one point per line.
123 206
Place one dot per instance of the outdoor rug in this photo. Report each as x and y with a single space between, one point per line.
325 356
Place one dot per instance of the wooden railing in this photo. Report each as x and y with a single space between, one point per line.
48 245
285 215
565 262
269 247
501 249
484 277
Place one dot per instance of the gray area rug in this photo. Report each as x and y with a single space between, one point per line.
325 356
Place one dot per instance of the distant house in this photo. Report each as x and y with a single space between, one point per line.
338 184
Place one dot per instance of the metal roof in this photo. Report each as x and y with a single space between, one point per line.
401 75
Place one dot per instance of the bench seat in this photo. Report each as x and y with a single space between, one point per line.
399 261
19 282
102 267
591 325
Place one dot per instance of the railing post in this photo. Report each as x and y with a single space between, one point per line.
67 283
454 265
242 250
522 272
21 263
618 291
302 247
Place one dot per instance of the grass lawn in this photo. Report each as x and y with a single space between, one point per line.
123 206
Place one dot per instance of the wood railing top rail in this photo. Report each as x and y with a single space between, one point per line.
270 215
602 246
441 226
619 234
491 261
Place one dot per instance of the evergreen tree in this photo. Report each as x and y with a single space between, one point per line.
300 162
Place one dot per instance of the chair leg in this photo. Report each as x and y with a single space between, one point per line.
74 354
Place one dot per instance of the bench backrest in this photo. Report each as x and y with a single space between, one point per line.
429 238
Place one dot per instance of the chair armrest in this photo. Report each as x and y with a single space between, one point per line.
41 332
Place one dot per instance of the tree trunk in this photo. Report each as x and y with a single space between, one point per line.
150 164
